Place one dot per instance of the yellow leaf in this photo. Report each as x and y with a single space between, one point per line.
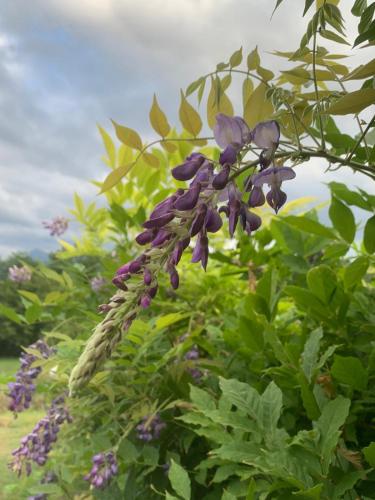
189 117
247 90
158 119
353 102
319 3
253 60
109 146
266 74
115 176
363 71
258 107
169 146
151 159
236 58
213 108
128 136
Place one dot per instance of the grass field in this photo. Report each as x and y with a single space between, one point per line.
11 429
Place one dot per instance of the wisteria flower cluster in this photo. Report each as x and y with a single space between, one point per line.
193 355
97 283
36 445
190 213
56 226
150 427
103 469
19 274
21 391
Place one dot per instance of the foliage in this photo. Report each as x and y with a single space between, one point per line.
252 380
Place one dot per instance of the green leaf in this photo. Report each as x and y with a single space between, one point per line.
251 333
31 296
342 219
253 60
158 119
109 146
128 136
308 4
350 197
115 177
236 58
330 35
228 496
363 71
369 453
307 301
32 313
271 402
242 395
355 271
258 107
310 353
194 86
349 370
151 159
331 420
180 481
322 282
170 319
10 314
369 235
308 398
358 7
309 226
353 102
189 117
217 103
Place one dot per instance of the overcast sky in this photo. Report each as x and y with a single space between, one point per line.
66 65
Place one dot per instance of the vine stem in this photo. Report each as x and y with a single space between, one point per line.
361 137
317 93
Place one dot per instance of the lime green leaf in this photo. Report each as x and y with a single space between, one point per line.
253 60
331 420
30 296
342 219
115 177
308 4
109 146
266 74
236 58
158 119
350 197
354 273
225 82
180 480
33 313
353 102
369 453
194 86
247 90
322 282
128 136
310 226
369 235
349 370
10 314
189 117
214 107
170 319
363 71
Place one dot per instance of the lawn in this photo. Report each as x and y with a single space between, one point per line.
11 429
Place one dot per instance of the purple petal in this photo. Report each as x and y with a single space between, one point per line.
145 301
221 179
174 278
158 221
189 168
230 130
276 198
256 198
161 237
147 276
198 220
200 252
229 155
266 135
188 200
163 207
213 221
273 176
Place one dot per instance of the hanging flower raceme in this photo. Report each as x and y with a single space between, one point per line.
19 274
274 177
36 446
21 391
150 427
56 226
187 216
103 470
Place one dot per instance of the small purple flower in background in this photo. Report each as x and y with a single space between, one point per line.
38 496
22 389
193 355
36 445
150 428
274 177
97 283
19 274
103 469
56 226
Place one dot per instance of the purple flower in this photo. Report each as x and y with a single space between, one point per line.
200 252
266 135
174 278
189 168
103 470
250 221
158 222
189 199
231 131
192 354
146 237
56 226
256 198
221 179
213 221
198 220
22 389
273 177
36 445
229 155
150 428
97 283
19 274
